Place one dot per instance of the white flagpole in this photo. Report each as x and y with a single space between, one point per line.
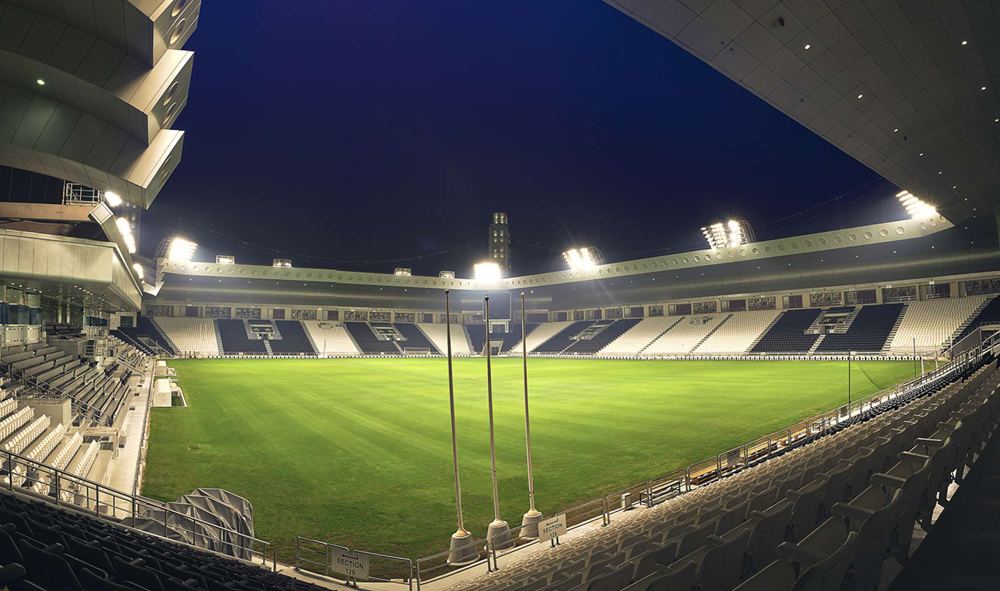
461 550
529 523
498 535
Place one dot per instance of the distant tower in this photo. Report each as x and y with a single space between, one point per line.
499 243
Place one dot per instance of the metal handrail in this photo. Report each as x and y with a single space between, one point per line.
326 560
134 503
803 429
474 543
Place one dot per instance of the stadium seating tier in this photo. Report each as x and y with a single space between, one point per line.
787 334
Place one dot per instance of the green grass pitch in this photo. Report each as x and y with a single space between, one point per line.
358 451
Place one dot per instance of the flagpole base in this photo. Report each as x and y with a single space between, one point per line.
462 551
498 536
529 524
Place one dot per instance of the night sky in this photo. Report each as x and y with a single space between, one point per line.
363 131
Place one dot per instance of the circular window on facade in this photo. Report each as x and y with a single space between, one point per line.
883 232
900 230
179 31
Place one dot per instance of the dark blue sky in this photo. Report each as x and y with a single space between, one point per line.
390 129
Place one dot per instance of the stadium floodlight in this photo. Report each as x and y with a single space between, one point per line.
285 263
403 272
446 274
915 207
112 199
584 258
729 234
181 250
487 272
126 232
138 269
225 259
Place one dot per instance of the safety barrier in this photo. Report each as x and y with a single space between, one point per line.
59 487
351 565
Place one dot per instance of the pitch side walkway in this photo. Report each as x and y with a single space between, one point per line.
121 471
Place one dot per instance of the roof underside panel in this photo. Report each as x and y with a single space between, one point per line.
907 87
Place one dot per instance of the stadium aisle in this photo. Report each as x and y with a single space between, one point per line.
121 471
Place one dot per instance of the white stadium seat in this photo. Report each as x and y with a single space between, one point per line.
685 335
738 333
438 334
639 336
932 323
331 338
191 335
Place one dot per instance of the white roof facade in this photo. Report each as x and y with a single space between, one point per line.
89 90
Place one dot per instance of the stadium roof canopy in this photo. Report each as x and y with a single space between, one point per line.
89 90
907 87
917 249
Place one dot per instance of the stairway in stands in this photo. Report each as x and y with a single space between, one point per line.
477 337
895 329
365 338
611 331
415 337
563 338
868 332
711 332
989 314
787 334
669 328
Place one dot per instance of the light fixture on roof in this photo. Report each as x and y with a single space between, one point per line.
861 96
965 42
181 249
487 272
807 46
730 234
584 258
983 88
126 231
915 207
40 82
112 199
895 130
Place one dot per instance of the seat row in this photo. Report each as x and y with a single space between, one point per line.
720 535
